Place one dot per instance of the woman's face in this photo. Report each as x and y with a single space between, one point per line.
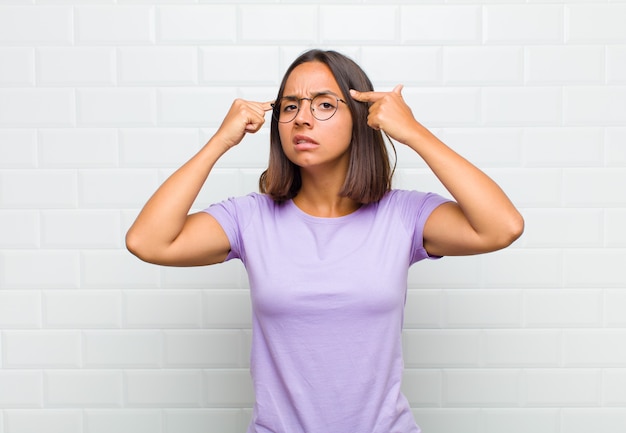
307 141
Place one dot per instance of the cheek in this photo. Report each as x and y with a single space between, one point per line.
347 133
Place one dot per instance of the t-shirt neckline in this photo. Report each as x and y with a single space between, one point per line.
325 220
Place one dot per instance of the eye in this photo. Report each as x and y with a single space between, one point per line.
288 105
325 103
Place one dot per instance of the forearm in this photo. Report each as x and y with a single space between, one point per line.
483 218
162 218
485 206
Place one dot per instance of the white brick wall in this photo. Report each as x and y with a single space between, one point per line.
101 100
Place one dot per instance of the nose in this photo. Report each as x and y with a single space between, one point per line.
304 115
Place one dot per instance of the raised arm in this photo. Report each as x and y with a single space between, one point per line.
483 219
164 233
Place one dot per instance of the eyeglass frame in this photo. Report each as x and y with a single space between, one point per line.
299 101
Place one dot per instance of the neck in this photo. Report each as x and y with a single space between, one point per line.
319 196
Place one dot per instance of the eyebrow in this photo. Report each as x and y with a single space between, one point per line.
313 95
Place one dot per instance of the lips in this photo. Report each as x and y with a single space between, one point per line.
302 142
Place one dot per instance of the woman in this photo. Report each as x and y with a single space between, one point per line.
327 244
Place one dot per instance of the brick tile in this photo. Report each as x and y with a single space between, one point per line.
471 388
231 388
19 229
199 107
130 272
114 24
119 107
61 66
606 420
157 65
512 106
529 24
40 25
521 348
563 308
41 349
170 388
54 420
486 66
20 309
78 148
55 269
402 65
561 387
521 420
21 389
122 420
122 349
435 348
594 105
82 229
440 24
116 188
195 348
202 420
21 107
196 24
482 308
17 67
563 147
163 309
596 23
254 26
616 64
593 348
83 388
226 65
18 148
564 65
615 151
82 309
367 23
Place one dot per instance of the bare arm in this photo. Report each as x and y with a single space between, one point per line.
164 233
483 218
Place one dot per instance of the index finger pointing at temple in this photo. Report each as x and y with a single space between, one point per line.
366 96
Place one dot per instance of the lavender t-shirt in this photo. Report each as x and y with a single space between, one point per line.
328 298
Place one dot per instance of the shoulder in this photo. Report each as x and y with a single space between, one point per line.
412 198
411 206
244 203
240 210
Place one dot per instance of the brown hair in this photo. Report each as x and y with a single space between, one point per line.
369 172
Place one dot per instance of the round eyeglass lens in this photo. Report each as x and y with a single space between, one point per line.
323 107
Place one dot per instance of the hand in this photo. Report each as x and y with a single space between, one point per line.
388 112
243 117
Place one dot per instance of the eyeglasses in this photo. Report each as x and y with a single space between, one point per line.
323 107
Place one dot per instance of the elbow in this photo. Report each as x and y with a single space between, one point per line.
135 246
132 243
143 246
509 231
517 227
514 230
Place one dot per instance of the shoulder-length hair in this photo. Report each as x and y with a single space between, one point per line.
369 172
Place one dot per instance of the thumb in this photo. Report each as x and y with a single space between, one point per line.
398 89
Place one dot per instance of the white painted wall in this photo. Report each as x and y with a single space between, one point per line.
100 100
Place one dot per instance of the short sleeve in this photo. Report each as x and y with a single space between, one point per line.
234 214
414 208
